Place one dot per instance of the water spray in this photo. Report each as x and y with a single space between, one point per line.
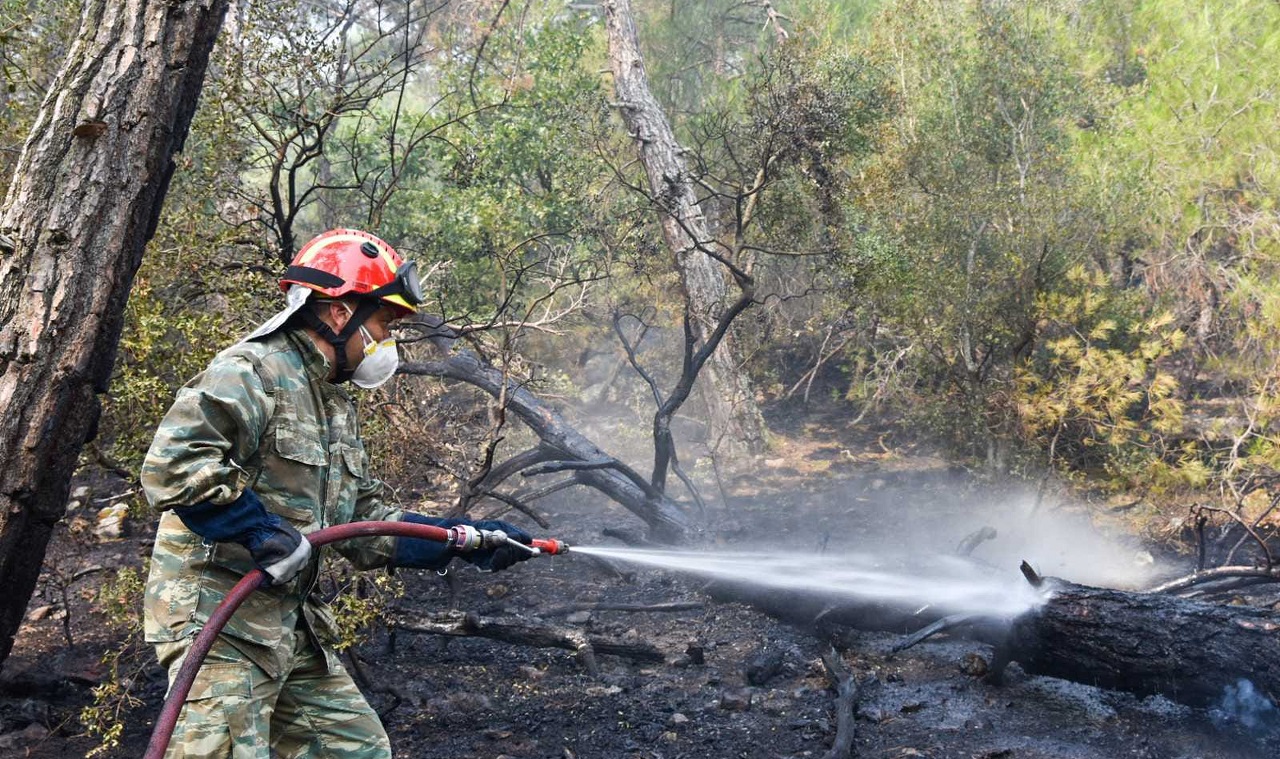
462 539
947 583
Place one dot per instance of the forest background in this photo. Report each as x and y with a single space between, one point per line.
1038 236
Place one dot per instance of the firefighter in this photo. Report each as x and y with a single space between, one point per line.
257 450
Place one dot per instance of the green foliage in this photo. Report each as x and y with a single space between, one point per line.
1097 393
361 603
119 600
34 38
191 298
974 209
1189 158
511 199
164 346
985 203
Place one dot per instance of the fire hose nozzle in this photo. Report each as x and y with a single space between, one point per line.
538 546
551 546
465 539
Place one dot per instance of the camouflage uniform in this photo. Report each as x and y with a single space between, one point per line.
262 415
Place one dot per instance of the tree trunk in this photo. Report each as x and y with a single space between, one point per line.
737 429
85 199
1146 643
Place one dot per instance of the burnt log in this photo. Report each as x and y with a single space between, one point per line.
1145 643
528 632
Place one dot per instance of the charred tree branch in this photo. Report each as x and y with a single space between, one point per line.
1262 544
924 633
670 606
589 466
554 487
525 632
519 506
846 703
665 519
975 539
1269 574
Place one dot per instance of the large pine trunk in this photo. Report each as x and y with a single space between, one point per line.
737 428
85 198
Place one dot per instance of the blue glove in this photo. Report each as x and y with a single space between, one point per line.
276 547
498 559
419 553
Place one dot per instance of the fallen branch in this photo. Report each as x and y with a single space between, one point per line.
1228 585
924 633
1249 529
1196 578
846 703
554 487
525 632
641 608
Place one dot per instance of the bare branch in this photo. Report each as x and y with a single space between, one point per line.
1270 574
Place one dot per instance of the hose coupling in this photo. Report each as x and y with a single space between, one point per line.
464 538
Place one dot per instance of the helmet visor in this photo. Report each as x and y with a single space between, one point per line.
406 285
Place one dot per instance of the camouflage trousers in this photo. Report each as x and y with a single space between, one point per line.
236 710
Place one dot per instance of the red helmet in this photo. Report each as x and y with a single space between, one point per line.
344 262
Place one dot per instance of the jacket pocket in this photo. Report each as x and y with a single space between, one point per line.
293 480
301 443
222 680
353 473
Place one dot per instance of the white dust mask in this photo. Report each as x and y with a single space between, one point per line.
379 362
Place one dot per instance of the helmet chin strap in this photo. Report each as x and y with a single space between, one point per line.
338 340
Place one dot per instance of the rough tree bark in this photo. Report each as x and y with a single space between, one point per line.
1146 643
736 425
85 199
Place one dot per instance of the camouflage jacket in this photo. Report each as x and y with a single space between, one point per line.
261 415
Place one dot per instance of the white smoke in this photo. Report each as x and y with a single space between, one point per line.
1244 704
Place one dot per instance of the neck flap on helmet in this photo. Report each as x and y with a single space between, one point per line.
363 310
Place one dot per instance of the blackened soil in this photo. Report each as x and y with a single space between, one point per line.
475 698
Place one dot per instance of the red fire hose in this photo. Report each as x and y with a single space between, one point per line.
168 718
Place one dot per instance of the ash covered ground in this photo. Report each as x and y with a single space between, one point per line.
714 694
